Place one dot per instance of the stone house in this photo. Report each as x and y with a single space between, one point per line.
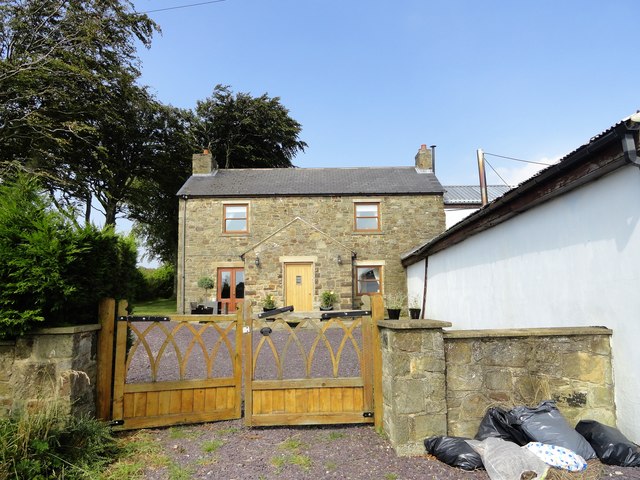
295 232
560 250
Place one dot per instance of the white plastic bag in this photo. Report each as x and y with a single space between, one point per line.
507 461
558 457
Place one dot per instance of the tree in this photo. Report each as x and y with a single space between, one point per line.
153 204
242 131
63 64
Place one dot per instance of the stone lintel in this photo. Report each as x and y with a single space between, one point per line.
66 330
406 324
526 332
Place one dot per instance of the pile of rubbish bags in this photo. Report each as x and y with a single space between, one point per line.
525 442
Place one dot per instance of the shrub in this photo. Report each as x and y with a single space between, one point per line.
52 269
49 444
156 282
207 283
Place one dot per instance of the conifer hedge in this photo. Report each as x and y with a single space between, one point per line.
53 272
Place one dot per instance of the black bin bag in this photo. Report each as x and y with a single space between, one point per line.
454 451
546 424
611 446
502 424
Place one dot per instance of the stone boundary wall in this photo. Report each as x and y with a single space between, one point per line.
523 367
50 364
437 382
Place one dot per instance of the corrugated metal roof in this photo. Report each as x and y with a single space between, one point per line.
312 181
470 194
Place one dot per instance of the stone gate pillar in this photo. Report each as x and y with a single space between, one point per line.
413 382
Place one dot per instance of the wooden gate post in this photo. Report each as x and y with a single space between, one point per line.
377 314
106 317
247 353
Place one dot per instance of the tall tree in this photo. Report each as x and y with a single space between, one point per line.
63 65
153 204
242 131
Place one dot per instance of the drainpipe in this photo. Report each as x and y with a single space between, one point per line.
424 289
184 249
628 141
354 279
483 178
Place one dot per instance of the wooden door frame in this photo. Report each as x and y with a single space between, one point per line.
232 301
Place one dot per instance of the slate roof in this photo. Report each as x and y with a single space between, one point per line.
470 194
312 181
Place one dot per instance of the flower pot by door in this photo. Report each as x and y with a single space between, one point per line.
394 313
414 313
324 309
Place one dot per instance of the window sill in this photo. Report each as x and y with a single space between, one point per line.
233 234
377 232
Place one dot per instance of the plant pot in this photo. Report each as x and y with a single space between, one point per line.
394 313
414 313
264 309
326 309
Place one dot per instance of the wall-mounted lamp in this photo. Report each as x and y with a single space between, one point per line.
339 260
257 261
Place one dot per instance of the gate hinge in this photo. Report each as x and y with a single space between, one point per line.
367 414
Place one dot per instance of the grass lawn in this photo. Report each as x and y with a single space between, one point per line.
158 307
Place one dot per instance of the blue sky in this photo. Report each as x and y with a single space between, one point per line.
372 80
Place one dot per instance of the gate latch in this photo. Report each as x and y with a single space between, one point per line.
266 331
116 423
367 414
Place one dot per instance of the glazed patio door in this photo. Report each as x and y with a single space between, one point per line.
230 289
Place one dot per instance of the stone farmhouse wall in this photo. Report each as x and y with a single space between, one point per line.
571 366
53 364
442 383
316 228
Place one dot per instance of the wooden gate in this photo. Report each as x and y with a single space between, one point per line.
185 370
309 371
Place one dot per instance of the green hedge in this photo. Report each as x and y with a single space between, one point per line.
52 271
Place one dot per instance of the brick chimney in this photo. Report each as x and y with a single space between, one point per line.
203 163
424 159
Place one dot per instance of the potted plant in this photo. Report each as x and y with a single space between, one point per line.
268 302
327 299
394 303
414 306
206 283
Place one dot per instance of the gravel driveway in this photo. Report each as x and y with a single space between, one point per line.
227 450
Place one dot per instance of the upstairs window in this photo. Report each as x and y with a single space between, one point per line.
236 219
367 217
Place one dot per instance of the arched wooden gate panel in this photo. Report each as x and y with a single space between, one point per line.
186 369
309 371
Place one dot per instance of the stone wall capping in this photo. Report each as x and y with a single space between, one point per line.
527 332
7 343
67 330
407 324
